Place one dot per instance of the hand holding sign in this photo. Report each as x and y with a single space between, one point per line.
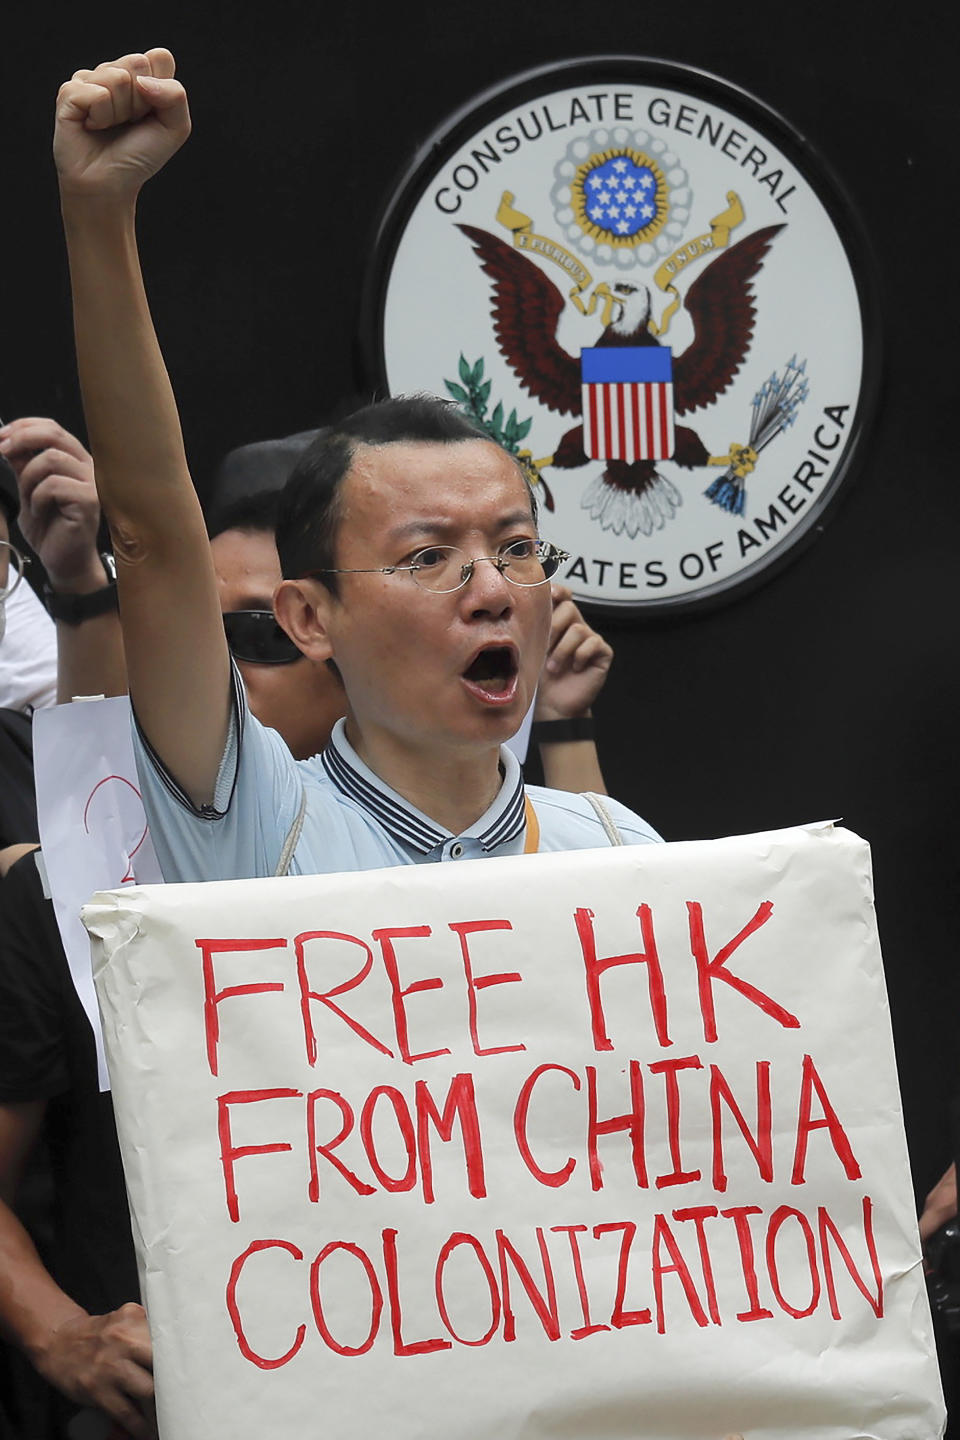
104 1361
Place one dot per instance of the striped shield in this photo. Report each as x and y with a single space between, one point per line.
627 402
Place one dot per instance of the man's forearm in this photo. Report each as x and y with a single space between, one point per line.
99 1360
32 1305
128 402
572 765
177 661
90 659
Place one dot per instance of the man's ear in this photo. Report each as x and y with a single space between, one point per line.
303 608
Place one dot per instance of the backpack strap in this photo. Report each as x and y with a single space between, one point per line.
604 816
293 836
532 842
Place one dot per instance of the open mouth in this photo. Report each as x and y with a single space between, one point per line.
492 673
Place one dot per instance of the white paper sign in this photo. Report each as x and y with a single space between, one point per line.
600 1144
92 826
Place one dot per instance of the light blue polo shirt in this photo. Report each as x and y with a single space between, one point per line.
351 820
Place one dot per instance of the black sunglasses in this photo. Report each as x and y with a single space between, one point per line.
255 636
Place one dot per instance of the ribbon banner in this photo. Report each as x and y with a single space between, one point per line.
716 238
524 238
606 1143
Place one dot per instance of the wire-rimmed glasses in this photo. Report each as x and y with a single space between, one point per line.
441 569
19 564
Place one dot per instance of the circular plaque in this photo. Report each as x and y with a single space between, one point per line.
644 284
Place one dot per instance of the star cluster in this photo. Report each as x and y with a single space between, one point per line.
620 197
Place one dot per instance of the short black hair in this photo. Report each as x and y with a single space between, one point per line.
262 465
9 491
251 513
309 512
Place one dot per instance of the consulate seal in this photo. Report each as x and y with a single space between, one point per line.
643 283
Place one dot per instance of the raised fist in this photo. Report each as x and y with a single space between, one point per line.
119 124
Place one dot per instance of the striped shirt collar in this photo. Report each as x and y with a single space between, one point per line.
503 821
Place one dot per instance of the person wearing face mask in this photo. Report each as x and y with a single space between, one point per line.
27 674
28 649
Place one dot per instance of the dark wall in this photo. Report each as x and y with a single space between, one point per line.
829 691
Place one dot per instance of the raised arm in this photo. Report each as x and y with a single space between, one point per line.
116 126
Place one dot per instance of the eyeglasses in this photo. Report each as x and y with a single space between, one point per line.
255 636
441 569
20 563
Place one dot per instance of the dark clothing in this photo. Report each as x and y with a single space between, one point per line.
18 806
9 491
47 1052
253 469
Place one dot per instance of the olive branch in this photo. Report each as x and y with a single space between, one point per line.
473 396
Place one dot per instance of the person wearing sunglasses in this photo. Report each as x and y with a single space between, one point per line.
300 699
243 516
439 654
478 661
49 1081
304 703
52 479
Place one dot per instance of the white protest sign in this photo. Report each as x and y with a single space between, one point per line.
604 1143
92 826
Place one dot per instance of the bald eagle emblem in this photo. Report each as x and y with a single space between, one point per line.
627 390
